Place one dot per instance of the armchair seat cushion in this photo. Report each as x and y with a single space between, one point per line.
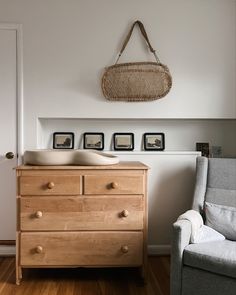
216 257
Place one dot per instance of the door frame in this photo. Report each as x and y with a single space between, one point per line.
19 86
8 248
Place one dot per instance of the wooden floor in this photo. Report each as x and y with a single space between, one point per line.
82 281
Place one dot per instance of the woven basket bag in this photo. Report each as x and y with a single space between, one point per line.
137 81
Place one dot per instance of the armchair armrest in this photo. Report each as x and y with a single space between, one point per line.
180 239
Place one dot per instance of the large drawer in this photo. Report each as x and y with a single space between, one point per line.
50 185
114 184
81 249
81 213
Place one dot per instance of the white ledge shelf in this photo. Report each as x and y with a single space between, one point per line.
155 152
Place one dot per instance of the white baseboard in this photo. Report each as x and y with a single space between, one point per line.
10 250
7 250
159 249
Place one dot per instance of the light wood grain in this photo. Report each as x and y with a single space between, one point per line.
85 281
50 185
18 266
80 213
7 267
81 216
81 248
159 274
144 268
114 185
77 172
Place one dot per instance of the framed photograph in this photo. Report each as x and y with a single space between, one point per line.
203 147
154 141
63 140
123 141
94 141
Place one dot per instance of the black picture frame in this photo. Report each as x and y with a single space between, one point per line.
154 141
63 140
93 140
120 139
203 147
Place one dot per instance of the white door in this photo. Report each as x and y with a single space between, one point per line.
8 133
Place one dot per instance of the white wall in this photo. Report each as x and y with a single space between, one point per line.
67 44
180 135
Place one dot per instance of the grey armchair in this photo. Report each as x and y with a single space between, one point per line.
206 268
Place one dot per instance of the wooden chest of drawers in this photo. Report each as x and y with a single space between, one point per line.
70 216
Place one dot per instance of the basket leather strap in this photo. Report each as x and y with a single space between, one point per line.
144 33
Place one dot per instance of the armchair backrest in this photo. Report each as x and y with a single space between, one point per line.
215 182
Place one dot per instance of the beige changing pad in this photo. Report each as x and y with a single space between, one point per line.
68 157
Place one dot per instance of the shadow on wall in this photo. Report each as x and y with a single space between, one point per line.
174 194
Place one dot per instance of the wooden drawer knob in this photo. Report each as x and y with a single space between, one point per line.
39 249
125 249
114 185
50 185
124 213
38 214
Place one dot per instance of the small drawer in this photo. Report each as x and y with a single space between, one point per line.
50 185
81 213
113 185
81 249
